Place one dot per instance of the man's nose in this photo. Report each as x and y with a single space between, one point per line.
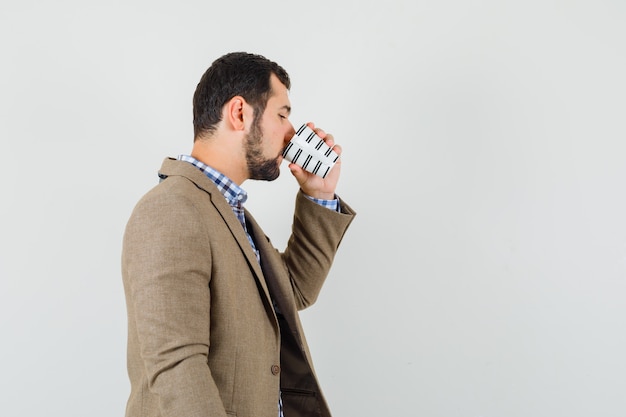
290 132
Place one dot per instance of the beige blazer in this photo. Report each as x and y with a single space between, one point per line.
204 338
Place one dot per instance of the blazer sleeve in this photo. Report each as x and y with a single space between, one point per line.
166 271
315 237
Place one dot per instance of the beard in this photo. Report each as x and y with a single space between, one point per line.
260 167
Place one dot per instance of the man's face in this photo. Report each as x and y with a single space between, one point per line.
269 135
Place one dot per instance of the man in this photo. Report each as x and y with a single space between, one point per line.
213 327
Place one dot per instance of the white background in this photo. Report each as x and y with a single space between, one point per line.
484 275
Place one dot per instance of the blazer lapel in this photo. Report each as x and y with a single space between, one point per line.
172 167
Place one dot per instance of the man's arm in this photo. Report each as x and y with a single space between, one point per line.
315 238
167 264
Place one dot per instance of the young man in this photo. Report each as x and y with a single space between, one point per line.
213 326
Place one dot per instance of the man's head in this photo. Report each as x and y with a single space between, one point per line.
241 113
234 74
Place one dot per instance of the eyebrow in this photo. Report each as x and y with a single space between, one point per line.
287 108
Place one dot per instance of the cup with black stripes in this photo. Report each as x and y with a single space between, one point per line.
310 152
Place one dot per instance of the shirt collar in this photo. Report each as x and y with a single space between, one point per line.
234 194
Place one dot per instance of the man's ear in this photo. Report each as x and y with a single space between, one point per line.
234 112
239 113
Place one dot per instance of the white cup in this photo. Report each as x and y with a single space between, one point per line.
310 152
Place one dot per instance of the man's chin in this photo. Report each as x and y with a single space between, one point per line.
269 171
271 177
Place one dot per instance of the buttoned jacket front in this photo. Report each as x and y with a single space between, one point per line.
204 336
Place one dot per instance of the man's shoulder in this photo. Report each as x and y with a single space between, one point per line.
178 186
173 189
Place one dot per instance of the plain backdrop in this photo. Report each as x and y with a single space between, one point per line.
484 151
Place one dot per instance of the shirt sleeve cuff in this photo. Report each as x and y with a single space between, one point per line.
330 204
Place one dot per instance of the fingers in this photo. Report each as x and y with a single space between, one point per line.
328 138
319 132
300 174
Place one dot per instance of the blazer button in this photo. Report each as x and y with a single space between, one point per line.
275 369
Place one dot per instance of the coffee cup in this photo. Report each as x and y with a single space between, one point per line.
307 150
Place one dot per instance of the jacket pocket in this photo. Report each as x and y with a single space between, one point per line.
300 402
